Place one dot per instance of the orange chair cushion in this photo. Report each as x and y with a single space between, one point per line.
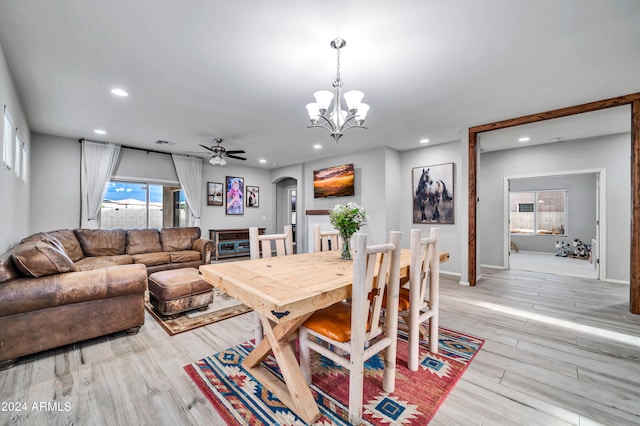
403 300
333 322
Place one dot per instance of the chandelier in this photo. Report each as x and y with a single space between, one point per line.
327 111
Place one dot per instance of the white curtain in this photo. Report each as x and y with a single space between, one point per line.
98 162
189 171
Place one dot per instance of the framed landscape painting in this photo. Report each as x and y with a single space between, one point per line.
253 196
214 194
433 200
235 195
334 181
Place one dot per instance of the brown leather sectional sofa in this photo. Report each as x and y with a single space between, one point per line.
66 286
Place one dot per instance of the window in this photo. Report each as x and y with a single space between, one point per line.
538 212
25 164
8 135
130 205
18 152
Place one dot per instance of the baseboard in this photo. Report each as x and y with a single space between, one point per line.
450 274
534 252
492 266
609 280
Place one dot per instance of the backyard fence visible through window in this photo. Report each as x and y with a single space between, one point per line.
130 205
538 212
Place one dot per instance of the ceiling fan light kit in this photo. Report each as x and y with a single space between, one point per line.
217 161
327 111
219 151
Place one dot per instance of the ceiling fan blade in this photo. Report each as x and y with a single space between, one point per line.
206 147
237 151
235 156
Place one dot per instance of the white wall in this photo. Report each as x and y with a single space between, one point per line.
14 193
393 197
55 189
134 164
370 177
610 153
215 217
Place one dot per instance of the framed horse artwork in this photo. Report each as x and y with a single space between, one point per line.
433 200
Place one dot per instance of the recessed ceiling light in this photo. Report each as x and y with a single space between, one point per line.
524 139
99 132
317 146
424 140
119 92
262 160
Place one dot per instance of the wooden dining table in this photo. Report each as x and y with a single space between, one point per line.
285 291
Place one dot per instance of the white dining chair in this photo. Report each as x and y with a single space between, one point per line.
326 240
349 333
263 246
414 305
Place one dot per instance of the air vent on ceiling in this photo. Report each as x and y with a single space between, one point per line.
161 142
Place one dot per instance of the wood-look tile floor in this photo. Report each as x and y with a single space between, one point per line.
559 350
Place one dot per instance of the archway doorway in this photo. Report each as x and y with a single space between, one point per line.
286 207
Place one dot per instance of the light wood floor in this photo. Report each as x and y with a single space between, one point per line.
558 350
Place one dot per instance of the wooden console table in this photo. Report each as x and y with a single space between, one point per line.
230 242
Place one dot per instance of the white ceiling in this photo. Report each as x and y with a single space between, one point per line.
244 71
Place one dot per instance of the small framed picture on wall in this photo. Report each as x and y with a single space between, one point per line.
253 196
214 194
235 195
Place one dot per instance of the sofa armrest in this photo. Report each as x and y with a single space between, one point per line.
205 247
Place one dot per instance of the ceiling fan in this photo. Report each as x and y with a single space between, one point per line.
219 151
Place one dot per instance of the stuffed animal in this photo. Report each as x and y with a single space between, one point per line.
580 249
562 249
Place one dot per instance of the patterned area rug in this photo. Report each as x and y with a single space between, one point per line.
223 307
241 400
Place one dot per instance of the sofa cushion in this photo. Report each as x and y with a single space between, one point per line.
151 259
143 241
68 239
184 256
70 243
98 262
102 242
37 258
8 269
176 239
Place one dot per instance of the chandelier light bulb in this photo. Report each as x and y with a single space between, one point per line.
353 98
323 99
327 111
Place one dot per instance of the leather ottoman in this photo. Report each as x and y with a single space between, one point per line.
179 290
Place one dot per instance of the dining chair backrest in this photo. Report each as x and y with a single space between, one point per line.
350 340
326 240
261 244
424 276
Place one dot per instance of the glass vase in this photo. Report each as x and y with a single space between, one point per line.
345 253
